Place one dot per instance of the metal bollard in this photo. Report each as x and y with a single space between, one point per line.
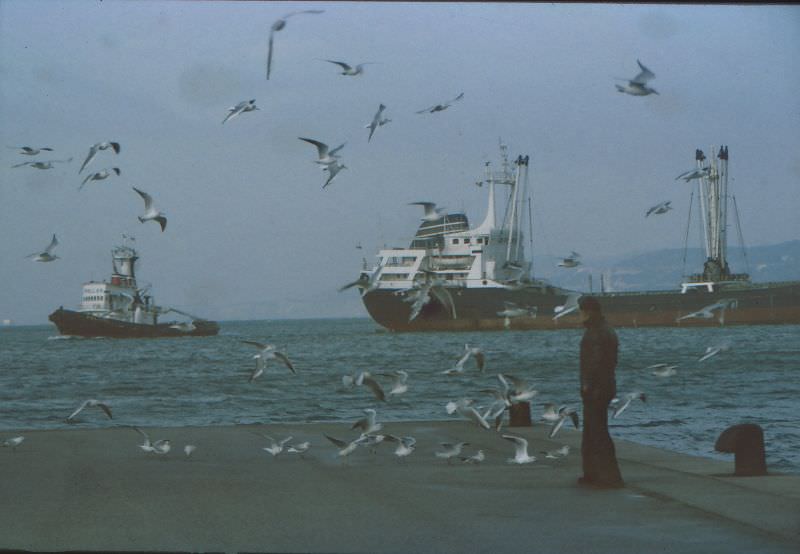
746 442
519 414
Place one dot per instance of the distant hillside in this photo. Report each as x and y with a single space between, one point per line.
664 269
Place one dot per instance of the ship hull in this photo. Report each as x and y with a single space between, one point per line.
80 324
477 309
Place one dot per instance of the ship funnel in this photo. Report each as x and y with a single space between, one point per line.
124 259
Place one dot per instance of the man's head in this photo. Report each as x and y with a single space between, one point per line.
589 307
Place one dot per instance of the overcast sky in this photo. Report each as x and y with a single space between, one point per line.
251 233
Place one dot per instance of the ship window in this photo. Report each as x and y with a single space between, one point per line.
455 241
466 241
486 240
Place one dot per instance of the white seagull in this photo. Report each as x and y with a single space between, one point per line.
475 351
13 443
188 449
405 445
399 385
95 148
151 213
99 175
521 453
91 403
561 416
570 261
43 165
694 174
638 85
441 107
241 107
326 155
661 208
349 70
664 370
557 453
476 458
365 378
299 448
570 306
707 312
47 255
620 405
368 424
267 352
516 389
277 26
377 121
450 450
161 446
275 447
30 150
712 351
345 448
465 410
333 170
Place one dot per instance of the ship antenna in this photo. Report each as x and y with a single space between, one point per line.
530 232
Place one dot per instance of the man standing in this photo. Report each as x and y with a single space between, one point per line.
598 387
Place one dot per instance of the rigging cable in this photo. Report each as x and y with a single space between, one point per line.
741 237
686 238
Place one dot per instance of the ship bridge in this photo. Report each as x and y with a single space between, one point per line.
431 233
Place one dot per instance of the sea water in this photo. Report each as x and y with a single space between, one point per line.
191 381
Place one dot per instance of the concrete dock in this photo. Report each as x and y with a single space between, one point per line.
94 489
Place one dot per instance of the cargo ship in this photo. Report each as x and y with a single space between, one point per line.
120 309
453 277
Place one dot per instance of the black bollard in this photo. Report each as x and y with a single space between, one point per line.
519 414
746 442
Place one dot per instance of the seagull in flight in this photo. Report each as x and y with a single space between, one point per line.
516 389
161 446
620 405
30 150
475 351
432 213
707 312
99 175
665 371
694 174
241 107
95 148
465 410
377 121
345 448
558 417
366 282
570 261
326 155
638 85
43 165
277 26
333 170
661 208
405 445
368 424
89 404
521 453
275 447
151 213
712 351
47 255
450 450
365 378
570 305
399 385
441 107
349 70
476 458
267 352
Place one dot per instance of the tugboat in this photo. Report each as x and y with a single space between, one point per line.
456 278
120 309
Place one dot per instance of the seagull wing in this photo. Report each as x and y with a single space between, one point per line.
258 345
456 99
343 65
78 410
643 76
269 52
322 148
282 357
288 15
52 245
521 444
106 408
89 157
374 387
148 200
335 441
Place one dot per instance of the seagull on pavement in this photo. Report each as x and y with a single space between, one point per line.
95 148
91 403
151 213
277 26
13 443
47 255
521 453
241 107
188 449
638 85
345 448
161 446
368 424
275 447
557 453
476 458
405 445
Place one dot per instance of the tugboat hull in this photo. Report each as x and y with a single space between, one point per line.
74 323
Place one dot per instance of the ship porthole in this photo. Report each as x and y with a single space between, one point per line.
485 282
